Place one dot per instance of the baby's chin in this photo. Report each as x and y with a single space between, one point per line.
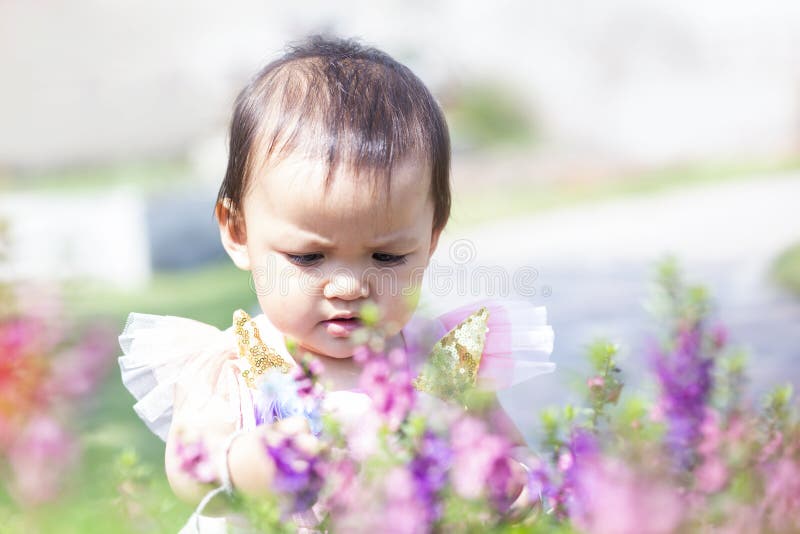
339 349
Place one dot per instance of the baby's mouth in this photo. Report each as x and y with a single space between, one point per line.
342 327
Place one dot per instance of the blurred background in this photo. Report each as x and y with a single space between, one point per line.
590 139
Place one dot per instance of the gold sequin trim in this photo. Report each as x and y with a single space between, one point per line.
452 367
260 356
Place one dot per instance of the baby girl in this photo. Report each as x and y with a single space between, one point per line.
336 193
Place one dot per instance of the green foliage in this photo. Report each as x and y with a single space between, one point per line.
730 381
605 386
777 408
673 302
265 512
488 114
786 269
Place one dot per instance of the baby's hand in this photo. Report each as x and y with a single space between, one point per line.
524 506
295 427
252 469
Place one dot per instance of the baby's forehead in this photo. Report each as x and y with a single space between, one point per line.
299 189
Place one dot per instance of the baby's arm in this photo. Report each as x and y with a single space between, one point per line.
250 470
241 457
500 422
202 417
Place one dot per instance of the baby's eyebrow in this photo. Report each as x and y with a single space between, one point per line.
399 241
313 240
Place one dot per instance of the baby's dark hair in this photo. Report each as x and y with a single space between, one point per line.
344 104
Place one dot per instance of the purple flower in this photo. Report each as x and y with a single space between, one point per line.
581 449
306 375
298 472
283 395
429 469
539 483
685 379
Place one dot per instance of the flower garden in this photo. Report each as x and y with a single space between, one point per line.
701 455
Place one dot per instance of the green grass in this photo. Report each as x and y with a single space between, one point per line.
209 294
147 176
786 269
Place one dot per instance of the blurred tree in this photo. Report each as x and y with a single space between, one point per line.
486 114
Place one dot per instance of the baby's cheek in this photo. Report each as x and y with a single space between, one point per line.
411 286
398 305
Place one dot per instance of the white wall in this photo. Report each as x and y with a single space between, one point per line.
98 236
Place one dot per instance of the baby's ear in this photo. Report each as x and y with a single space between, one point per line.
232 233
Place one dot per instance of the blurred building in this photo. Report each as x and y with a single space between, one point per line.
89 82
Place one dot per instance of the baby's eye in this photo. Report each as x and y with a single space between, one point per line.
389 259
304 260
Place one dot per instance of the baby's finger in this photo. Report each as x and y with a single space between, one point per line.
292 426
307 443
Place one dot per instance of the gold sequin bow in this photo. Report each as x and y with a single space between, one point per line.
452 368
260 356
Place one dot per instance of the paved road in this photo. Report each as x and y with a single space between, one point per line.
595 262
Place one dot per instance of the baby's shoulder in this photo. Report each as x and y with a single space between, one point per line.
174 363
505 341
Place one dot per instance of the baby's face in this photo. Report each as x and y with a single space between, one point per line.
317 256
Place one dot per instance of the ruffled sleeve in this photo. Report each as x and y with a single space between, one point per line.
518 340
172 360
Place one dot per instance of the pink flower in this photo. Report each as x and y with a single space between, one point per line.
743 520
595 382
389 503
711 433
405 512
712 475
781 504
341 475
363 435
737 428
195 461
657 413
40 459
480 462
719 336
610 498
771 447
387 381
78 371
565 461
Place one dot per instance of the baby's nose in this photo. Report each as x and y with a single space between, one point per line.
345 284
